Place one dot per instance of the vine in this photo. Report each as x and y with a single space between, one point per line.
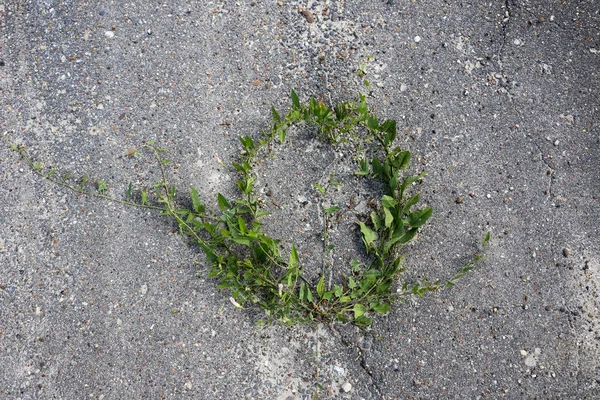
250 264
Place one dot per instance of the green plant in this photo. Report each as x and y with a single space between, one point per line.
249 263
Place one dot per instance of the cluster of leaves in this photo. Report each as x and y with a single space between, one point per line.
250 264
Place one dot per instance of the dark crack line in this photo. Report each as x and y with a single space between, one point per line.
363 362
505 25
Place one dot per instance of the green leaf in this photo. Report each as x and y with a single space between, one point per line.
243 168
395 267
410 180
321 287
389 128
355 265
377 168
408 236
388 201
302 292
305 293
399 227
384 288
409 203
144 196
381 308
393 182
332 209
320 188
223 203
388 218
295 100
401 158
196 202
275 114
128 192
369 236
281 134
102 186
486 239
359 310
242 225
362 321
351 283
248 143
294 259
337 290
372 122
418 218
376 220
364 167
369 278
332 182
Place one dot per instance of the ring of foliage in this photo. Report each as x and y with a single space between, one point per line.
249 263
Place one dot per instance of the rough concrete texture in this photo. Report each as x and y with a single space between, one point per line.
498 100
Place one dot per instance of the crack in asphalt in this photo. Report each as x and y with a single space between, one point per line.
549 172
363 363
505 24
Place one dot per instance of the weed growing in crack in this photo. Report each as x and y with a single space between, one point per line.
249 263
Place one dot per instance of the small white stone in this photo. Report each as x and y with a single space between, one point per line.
346 387
109 34
531 361
552 18
489 196
144 289
556 142
417 39
517 42
403 87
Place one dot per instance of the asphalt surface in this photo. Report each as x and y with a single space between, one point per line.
498 100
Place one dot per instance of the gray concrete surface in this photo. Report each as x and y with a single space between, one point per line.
499 99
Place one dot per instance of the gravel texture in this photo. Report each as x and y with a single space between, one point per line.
498 100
